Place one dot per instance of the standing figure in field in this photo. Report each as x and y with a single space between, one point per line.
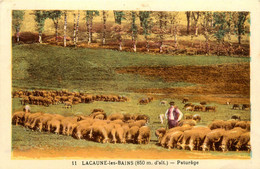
27 109
174 115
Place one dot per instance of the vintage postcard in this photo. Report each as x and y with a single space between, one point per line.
134 84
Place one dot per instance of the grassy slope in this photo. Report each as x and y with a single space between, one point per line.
93 70
44 66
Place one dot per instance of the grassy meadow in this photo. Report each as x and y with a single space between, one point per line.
43 66
54 67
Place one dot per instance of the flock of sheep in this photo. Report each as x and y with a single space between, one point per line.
98 127
46 98
219 135
203 107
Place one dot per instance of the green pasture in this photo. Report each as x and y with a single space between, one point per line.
54 67
36 66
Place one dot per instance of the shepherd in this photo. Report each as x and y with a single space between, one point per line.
174 115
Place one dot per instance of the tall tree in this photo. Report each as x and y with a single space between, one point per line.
118 29
195 17
74 29
89 19
162 22
188 15
55 16
145 22
220 26
230 24
65 29
105 15
239 21
206 25
77 29
174 20
40 17
134 30
17 21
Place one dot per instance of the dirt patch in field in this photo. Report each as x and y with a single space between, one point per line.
101 153
230 81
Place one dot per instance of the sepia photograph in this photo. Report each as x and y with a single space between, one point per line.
114 86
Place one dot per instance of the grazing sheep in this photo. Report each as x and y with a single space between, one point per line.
190 122
142 117
213 139
109 127
198 137
159 133
163 102
150 99
236 106
82 130
68 124
115 116
133 134
196 117
175 138
187 116
216 124
230 139
242 124
98 133
210 108
99 114
26 116
120 122
243 141
232 122
203 103
186 138
188 105
118 135
138 123
126 129
31 118
236 117
54 126
245 106
18 118
166 137
228 125
144 101
43 123
181 128
184 100
198 108
100 117
67 104
128 117
144 135
190 108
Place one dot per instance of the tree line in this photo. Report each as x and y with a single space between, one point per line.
214 25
